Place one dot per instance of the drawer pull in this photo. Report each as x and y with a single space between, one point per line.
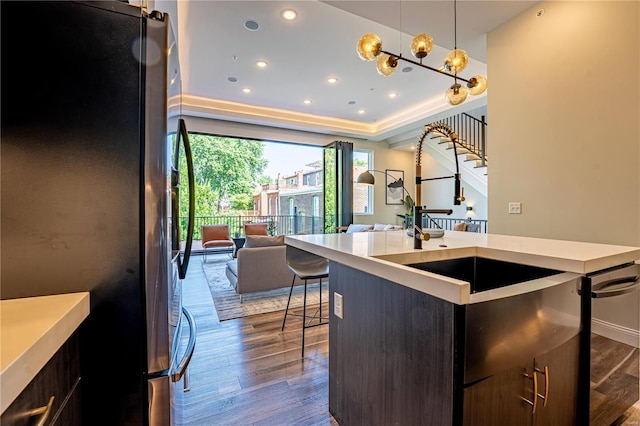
534 403
43 412
545 373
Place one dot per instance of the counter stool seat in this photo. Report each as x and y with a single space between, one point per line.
306 266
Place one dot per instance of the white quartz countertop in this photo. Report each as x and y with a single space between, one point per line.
385 253
32 330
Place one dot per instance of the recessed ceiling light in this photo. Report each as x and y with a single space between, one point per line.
289 14
307 101
393 95
261 64
332 80
246 90
361 111
407 69
351 102
251 25
232 79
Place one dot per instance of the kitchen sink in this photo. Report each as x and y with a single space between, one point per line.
484 274
505 332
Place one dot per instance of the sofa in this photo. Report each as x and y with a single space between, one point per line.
357 227
260 265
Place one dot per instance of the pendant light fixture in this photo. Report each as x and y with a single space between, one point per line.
369 47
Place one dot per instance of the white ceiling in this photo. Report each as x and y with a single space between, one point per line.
302 54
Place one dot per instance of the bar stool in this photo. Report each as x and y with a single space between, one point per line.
306 266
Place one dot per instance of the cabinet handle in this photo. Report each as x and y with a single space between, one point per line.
534 403
184 363
43 412
185 381
545 373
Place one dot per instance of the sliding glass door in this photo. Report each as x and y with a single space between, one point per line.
338 185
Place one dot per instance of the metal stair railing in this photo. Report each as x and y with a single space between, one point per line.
472 135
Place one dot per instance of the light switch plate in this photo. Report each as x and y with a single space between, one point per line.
337 305
515 208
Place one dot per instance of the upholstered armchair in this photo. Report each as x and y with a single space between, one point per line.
217 238
255 229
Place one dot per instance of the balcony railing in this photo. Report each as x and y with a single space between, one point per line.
276 225
447 223
291 224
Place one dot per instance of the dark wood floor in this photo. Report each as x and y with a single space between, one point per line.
615 383
247 372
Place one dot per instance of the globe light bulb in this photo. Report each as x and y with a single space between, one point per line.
369 46
456 61
456 94
387 65
421 45
477 84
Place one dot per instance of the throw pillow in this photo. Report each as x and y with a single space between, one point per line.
379 227
252 241
460 226
473 227
359 228
392 227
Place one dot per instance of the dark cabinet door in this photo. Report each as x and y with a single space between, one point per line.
557 372
498 400
52 394
507 398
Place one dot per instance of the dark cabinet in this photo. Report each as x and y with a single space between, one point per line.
498 397
53 394
400 356
559 386
540 393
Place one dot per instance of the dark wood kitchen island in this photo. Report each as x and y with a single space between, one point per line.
418 346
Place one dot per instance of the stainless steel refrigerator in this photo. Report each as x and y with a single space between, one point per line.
86 192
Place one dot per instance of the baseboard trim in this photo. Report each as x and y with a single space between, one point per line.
616 332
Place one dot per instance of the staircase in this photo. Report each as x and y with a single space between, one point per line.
471 149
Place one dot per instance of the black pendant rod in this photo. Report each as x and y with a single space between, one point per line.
420 64
455 25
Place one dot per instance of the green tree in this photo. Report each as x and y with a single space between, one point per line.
266 179
241 202
330 196
225 168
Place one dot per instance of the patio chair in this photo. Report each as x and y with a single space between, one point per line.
255 229
216 238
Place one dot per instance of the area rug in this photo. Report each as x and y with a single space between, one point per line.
227 302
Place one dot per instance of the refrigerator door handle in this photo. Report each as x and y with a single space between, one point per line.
186 359
183 136
600 290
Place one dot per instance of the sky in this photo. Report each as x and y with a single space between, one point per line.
287 158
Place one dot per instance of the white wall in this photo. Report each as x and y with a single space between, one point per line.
438 194
384 158
564 107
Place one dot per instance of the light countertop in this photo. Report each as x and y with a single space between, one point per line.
32 330
385 253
